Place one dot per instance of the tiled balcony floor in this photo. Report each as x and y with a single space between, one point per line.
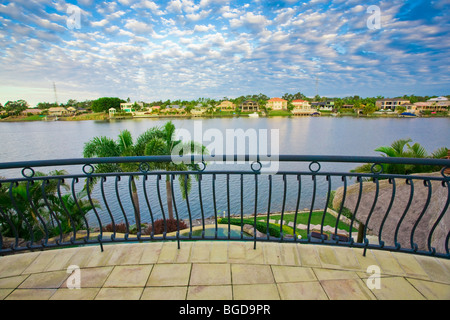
222 270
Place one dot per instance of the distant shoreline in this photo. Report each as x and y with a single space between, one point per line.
105 117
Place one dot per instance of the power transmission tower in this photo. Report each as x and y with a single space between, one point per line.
317 85
56 96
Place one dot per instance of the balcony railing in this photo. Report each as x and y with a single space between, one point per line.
307 199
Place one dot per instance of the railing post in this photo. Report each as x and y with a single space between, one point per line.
360 233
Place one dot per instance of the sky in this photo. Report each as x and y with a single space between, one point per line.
187 49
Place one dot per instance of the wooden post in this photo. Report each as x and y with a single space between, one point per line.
360 233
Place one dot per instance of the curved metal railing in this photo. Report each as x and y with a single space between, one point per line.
242 198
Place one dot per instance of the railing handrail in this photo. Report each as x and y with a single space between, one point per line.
227 158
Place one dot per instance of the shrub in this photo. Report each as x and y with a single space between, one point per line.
171 225
120 228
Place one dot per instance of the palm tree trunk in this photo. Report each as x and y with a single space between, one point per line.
135 199
169 197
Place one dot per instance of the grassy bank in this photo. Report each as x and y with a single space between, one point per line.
302 218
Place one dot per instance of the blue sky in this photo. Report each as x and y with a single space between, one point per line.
187 49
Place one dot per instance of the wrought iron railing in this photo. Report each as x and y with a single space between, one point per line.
300 202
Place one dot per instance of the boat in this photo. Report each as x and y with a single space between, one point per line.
254 115
408 115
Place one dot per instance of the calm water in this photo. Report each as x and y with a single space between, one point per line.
303 136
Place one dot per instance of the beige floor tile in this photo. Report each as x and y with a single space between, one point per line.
200 252
435 270
219 253
410 265
365 261
347 289
15 265
133 254
347 259
128 276
251 274
151 253
292 274
92 277
237 252
210 293
169 252
272 253
41 262
47 280
210 274
252 255
169 275
302 291
4 293
31 294
119 294
75 294
184 253
12 282
256 292
164 293
308 255
329 274
327 257
82 256
100 259
396 288
289 255
431 290
62 261
388 263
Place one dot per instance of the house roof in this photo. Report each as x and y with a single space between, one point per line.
56 109
277 100
299 100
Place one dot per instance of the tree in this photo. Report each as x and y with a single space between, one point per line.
404 149
25 211
16 107
103 147
162 142
104 104
155 141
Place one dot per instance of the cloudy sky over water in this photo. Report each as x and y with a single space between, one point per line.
187 49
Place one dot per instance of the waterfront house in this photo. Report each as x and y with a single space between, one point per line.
433 106
32 111
154 109
129 107
58 112
438 99
226 106
391 104
324 105
249 106
302 108
277 104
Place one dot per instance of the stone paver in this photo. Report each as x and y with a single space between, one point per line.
223 271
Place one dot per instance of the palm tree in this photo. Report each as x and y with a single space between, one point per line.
161 142
397 150
102 147
155 141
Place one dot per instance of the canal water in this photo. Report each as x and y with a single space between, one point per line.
347 136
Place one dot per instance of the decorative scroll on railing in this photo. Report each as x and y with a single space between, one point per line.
301 202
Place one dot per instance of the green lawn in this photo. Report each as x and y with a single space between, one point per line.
302 218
